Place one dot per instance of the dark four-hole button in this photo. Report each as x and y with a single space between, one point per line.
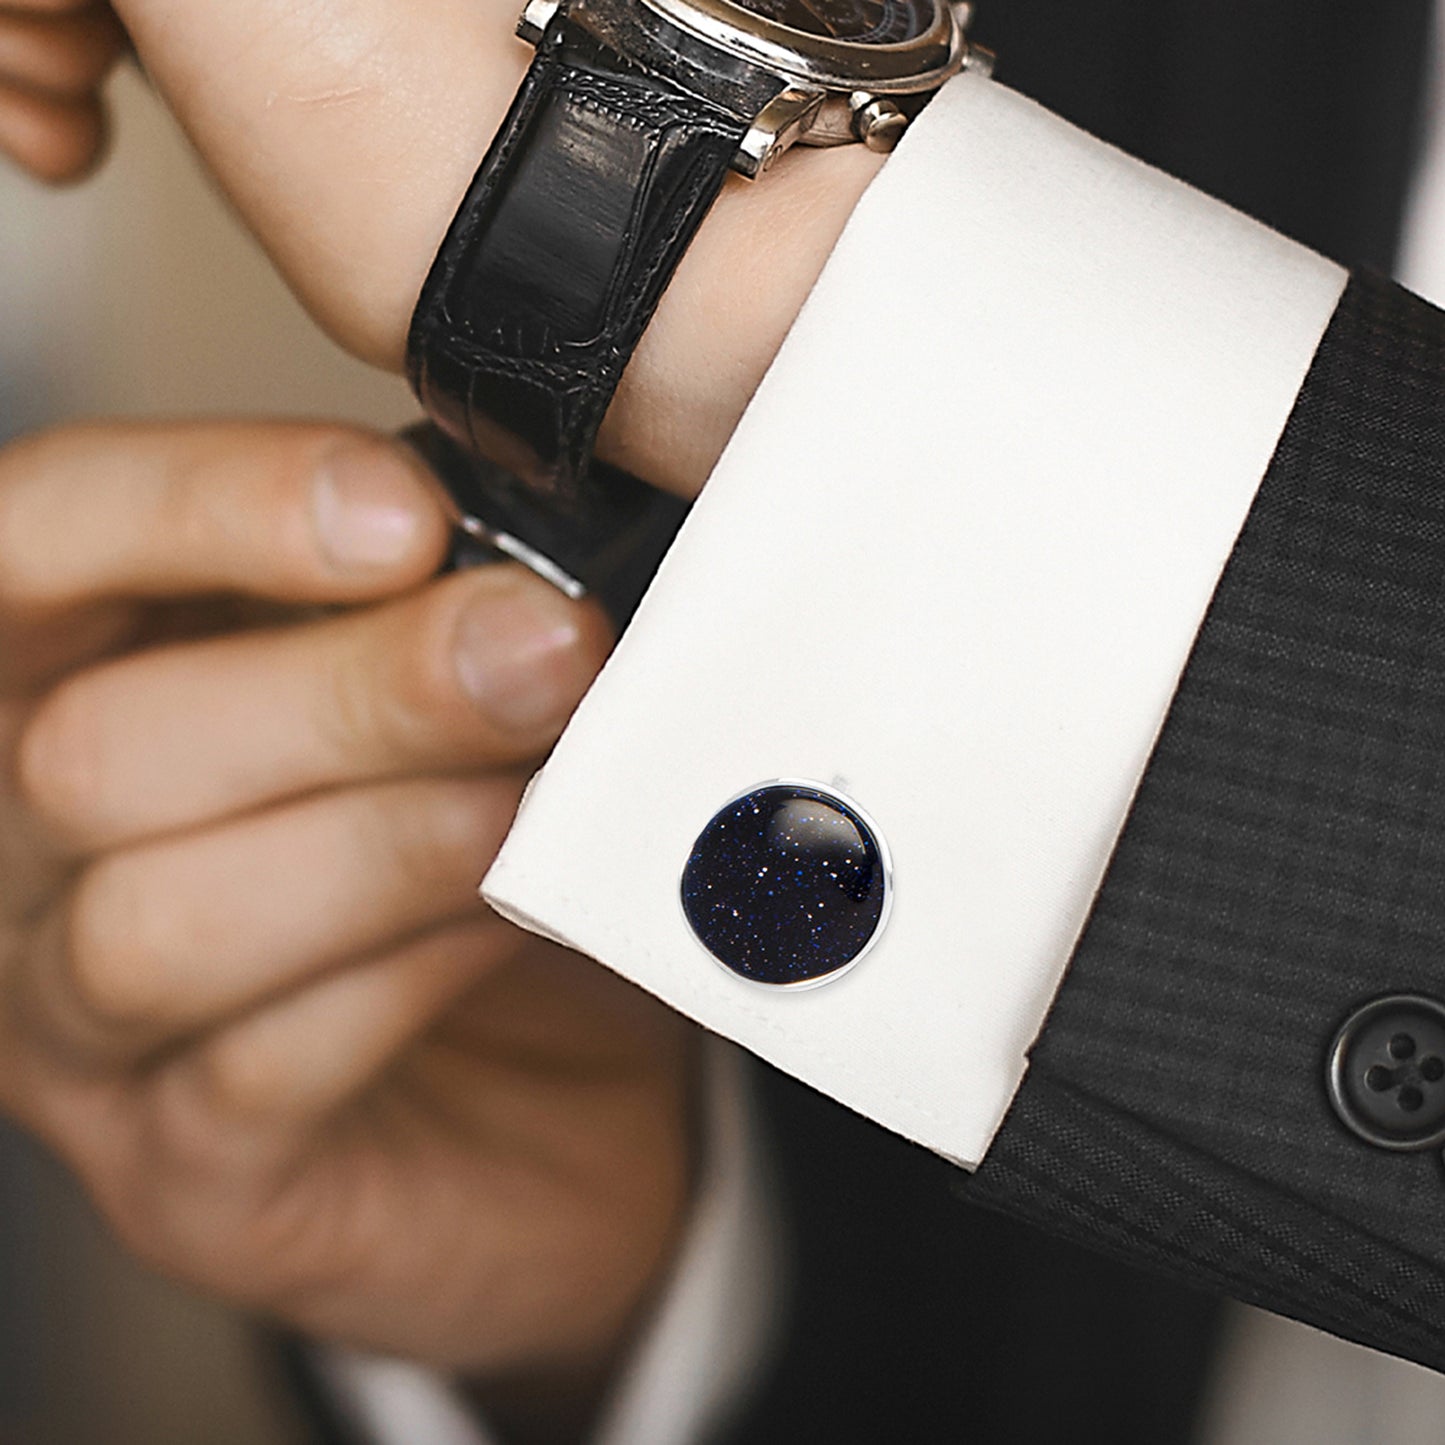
1386 1072
787 884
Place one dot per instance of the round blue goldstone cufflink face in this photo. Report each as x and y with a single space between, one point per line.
787 884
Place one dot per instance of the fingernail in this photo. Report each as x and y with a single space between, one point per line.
365 504
516 657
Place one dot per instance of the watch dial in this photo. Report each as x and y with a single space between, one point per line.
860 22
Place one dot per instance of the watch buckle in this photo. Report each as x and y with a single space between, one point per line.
533 22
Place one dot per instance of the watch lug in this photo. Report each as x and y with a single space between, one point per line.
979 61
976 58
534 20
777 125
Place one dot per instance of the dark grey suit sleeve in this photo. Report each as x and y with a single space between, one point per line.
1284 861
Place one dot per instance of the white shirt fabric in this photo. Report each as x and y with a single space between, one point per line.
1086 369
964 594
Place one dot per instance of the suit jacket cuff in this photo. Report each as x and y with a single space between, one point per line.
1281 866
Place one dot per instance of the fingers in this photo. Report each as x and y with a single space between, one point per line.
296 1061
54 54
170 939
33 656
53 7
291 1062
296 513
63 55
194 1162
481 669
55 140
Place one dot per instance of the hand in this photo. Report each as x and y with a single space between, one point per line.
54 55
346 132
246 987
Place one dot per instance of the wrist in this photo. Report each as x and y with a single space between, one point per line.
361 140
732 300
720 323
725 313
362 126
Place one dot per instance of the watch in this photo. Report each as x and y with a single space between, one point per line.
607 550
630 117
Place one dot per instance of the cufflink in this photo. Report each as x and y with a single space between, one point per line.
789 884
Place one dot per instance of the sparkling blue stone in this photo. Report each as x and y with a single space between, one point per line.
786 885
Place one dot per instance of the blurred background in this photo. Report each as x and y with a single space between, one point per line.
138 295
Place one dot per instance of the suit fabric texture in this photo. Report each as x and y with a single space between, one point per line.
1283 862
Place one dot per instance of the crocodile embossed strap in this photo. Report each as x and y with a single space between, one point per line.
559 254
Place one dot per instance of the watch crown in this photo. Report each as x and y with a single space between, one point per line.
877 122
534 20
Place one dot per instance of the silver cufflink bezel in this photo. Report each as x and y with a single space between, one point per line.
833 794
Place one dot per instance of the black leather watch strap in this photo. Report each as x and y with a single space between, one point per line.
560 252
607 544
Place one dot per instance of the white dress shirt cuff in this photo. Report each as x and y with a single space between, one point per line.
952 564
